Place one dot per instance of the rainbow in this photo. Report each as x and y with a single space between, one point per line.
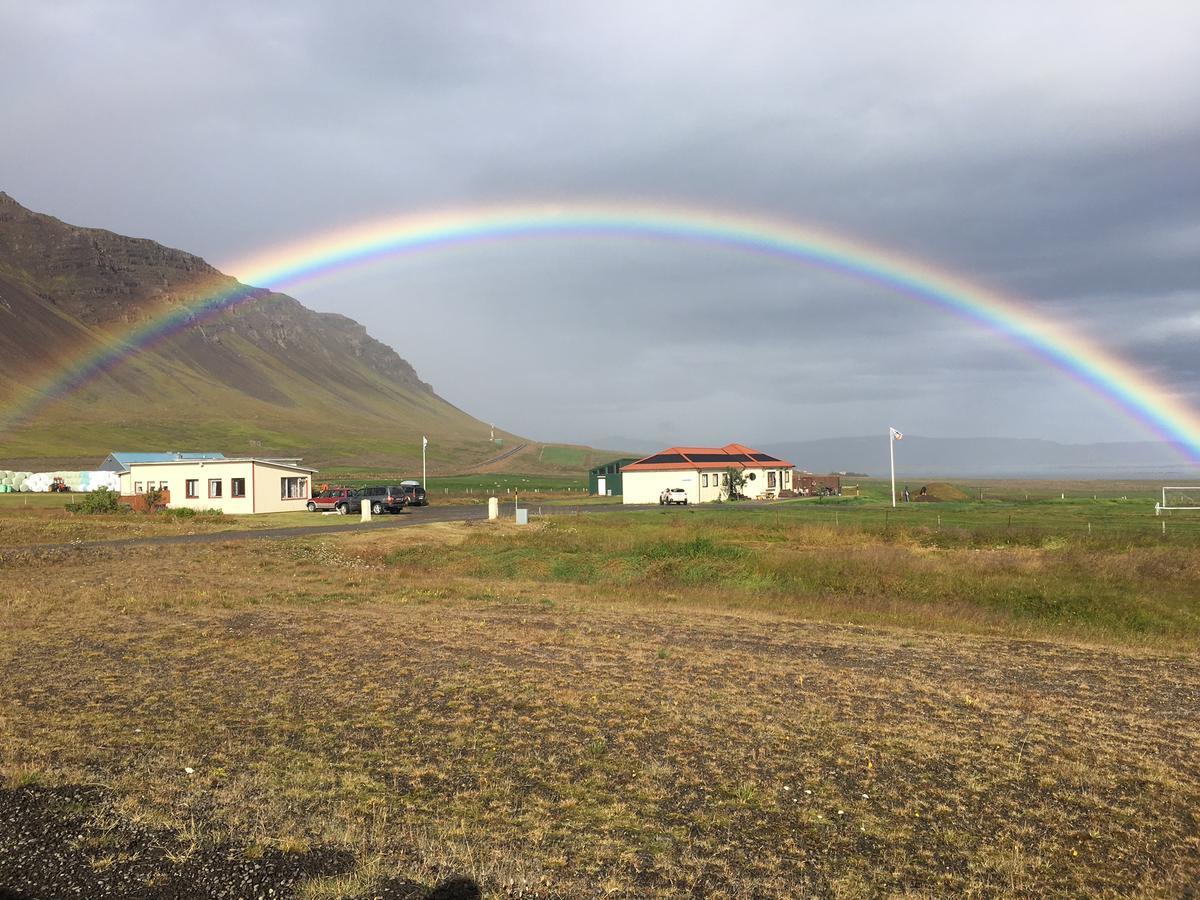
1131 391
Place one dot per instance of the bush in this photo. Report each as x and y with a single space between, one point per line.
101 500
185 512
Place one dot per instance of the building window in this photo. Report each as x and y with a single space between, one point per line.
214 488
162 486
293 488
725 479
786 479
770 480
137 487
191 488
237 487
704 481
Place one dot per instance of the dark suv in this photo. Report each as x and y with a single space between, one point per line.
415 493
385 499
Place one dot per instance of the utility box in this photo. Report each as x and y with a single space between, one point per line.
523 516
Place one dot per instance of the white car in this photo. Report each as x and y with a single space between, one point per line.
673 495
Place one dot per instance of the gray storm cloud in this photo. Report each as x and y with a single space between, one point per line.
1047 151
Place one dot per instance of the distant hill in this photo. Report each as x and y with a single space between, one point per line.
918 456
268 377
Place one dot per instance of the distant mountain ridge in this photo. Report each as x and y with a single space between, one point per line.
267 376
987 457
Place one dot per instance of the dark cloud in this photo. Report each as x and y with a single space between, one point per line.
1047 152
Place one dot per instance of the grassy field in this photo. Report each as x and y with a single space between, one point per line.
809 699
52 518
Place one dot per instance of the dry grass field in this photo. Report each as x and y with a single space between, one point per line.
622 705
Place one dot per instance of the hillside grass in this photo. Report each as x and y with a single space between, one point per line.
737 702
1119 583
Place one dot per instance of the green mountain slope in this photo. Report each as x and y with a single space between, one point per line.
268 377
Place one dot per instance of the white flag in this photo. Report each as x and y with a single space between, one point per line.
896 436
424 442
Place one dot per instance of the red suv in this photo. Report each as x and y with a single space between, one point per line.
342 500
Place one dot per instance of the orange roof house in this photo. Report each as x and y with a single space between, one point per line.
731 455
703 474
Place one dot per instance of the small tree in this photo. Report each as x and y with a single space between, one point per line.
153 499
733 480
101 500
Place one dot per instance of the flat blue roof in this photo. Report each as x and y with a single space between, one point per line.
121 461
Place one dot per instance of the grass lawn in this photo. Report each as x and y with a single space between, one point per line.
574 457
729 702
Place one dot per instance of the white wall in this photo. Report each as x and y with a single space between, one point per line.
268 490
645 486
262 484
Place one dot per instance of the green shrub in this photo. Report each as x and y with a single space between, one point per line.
152 498
98 501
186 512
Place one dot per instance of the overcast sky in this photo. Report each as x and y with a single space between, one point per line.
1047 150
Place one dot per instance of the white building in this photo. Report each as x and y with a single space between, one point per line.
703 472
231 485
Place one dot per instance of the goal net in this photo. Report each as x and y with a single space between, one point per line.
1179 498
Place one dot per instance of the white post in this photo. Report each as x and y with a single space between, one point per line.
493 508
366 509
424 444
892 456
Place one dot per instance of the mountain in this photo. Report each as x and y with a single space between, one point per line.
986 458
265 377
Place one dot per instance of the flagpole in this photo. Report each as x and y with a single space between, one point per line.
892 454
425 443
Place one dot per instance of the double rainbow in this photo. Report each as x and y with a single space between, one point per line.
1133 392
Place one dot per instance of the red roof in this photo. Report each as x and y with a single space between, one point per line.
729 456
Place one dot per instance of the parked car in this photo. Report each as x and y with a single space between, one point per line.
390 499
341 500
415 493
673 495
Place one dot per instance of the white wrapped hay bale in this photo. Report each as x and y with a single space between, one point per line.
94 481
38 482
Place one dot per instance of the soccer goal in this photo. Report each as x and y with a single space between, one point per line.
1178 498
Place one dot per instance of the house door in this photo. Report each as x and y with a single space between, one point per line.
601 484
